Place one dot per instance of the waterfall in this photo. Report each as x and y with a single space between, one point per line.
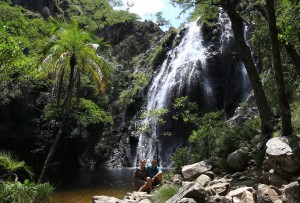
182 69
212 78
226 43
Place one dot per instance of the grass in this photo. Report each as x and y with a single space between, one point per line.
164 193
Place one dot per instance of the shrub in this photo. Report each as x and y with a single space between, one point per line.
12 190
181 157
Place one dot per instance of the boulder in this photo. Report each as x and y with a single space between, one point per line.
247 197
210 174
265 194
203 179
107 199
191 190
283 155
219 199
238 159
271 178
239 192
193 171
219 188
176 179
291 193
145 201
187 200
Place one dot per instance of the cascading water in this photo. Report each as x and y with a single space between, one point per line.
226 43
190 69
179 72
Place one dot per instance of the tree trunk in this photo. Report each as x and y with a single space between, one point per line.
264 109
279 78
65 111
52 151
295 57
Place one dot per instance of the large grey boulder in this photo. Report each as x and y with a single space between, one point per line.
218 188
238 159
187 200
193 171
191 190
107 199
265 194
239 191
291 193
271 178
283 156
176 179
203 179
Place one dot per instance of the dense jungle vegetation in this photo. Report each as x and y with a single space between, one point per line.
62 93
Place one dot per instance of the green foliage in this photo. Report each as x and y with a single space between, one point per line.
296 117
70 42
186 111
10 164
153 117
139 82
17 192
88 113
212 135
51 112
13 191
210 18
15 67
288 20
212 125
161 50
95 14
160 20
181 157
26 30
164 193
127 48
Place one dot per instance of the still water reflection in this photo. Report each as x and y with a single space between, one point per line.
80 185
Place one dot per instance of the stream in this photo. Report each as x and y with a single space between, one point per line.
80 185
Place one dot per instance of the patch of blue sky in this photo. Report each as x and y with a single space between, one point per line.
147 9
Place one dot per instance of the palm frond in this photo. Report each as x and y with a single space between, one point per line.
11 164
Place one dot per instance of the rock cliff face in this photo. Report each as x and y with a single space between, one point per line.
202 63
38 5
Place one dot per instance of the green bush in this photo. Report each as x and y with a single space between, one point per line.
12 190
181 157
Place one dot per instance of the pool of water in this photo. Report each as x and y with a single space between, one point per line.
80 185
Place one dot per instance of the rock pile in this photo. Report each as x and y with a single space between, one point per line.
277 182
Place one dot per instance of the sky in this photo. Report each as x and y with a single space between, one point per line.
147 9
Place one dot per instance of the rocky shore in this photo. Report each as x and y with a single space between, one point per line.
277 181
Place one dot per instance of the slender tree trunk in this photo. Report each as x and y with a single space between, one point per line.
294 55
264 109
65 111
279 78
59 87
52 151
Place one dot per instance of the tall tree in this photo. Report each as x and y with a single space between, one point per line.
69 54
237 25
283 103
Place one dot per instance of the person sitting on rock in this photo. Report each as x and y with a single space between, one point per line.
139 176
154 176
